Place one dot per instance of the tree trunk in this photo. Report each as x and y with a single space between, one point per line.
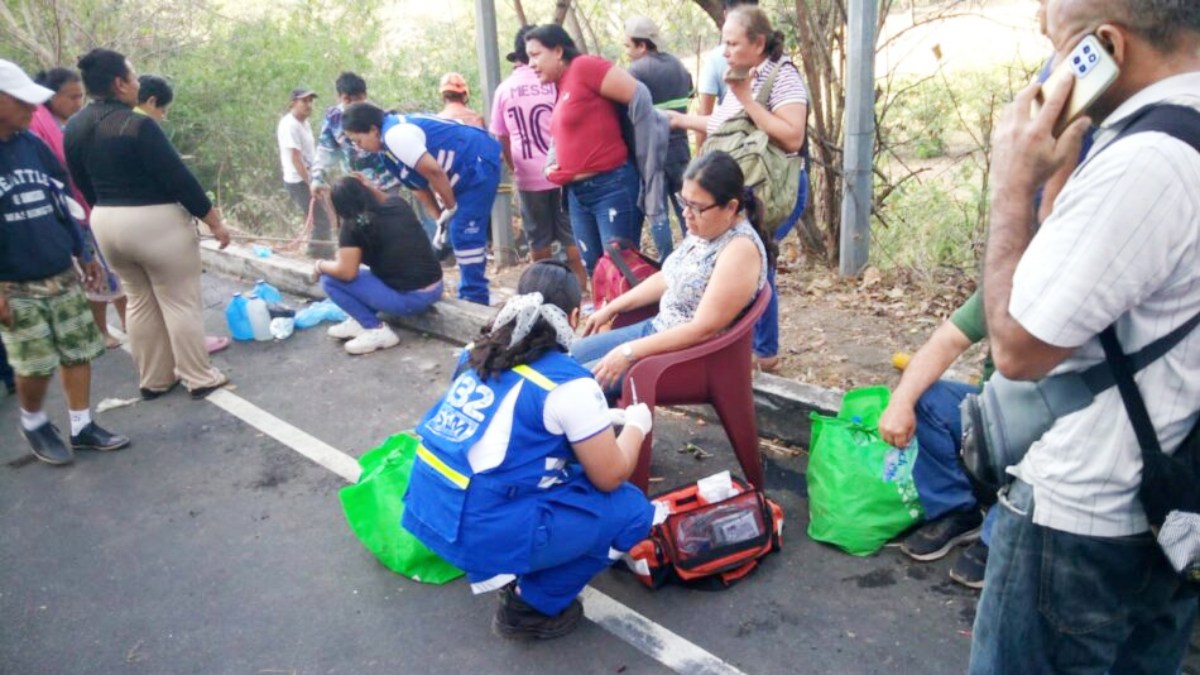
714 9
580 38
520 10
560 10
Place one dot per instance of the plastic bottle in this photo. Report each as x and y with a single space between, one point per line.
237 319
267 292
260 318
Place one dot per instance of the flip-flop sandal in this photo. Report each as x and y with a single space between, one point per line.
215 343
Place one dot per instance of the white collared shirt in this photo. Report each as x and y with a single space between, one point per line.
1123 244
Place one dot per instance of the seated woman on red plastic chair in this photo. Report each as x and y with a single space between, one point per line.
704 285
519 480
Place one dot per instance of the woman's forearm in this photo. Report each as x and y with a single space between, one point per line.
781 131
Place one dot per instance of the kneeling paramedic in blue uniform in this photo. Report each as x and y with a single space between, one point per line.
452 168
520 480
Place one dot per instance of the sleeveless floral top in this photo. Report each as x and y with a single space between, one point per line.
688 269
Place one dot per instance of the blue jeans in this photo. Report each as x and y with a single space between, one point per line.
766 330
366 295
605 206
660 229
941 483
592 348
1056 602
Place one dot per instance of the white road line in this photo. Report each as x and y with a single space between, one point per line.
653 640
311 447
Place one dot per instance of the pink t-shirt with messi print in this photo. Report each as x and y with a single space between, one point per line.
521 110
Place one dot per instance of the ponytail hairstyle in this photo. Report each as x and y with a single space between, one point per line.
353 202
720 176
55 78
360 117
100 67
754 21
547 294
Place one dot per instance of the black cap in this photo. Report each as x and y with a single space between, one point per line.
518 52
302 92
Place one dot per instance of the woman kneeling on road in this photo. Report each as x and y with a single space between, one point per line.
520 480
401 276
704 284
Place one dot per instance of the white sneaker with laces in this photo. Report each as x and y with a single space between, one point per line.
346 330
373 339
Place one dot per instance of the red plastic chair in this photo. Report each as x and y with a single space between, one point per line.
717 371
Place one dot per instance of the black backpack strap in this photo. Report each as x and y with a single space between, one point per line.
1100 377
1134 404
614 254
1178 121
1183 123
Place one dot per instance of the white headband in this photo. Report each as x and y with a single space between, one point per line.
525 310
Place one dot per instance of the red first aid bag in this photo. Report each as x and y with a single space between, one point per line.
707 546
620 268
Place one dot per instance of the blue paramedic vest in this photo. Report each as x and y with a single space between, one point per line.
486 522
460 149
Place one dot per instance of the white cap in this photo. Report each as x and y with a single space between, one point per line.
641 28
15 83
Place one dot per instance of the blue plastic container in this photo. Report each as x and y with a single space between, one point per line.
238 319
267 292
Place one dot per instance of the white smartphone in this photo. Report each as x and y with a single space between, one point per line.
1094 71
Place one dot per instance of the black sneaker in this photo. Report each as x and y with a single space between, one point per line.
48 446
94 437
969 568
932 541
516 619
151 394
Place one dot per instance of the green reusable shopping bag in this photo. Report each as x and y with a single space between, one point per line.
374 505
860 489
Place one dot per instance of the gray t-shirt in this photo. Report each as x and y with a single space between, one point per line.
667 80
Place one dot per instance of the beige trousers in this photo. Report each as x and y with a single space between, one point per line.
155 251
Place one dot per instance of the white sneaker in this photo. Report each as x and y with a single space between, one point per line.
345 330
373 339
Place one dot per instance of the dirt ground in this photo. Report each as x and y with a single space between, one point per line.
842 333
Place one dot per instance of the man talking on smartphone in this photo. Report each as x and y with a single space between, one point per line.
1076 580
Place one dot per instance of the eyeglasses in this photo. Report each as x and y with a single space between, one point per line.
692 208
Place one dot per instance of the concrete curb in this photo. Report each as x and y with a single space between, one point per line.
783 405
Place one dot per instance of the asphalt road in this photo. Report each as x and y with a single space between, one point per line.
210 547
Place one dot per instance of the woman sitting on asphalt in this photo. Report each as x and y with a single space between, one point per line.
519 479
383 264
704 284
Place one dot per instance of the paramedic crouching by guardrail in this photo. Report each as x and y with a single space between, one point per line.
519 479
1076 582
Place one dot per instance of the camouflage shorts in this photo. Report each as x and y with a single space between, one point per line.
52 325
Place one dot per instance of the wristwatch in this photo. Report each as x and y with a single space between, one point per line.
627 352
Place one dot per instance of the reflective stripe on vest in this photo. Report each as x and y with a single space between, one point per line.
441 467
535 377
446 470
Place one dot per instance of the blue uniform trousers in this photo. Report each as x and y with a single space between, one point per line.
579 530
468 232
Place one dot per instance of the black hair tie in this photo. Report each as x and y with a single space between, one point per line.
747 195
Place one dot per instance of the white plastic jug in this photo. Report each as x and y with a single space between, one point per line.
260 318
